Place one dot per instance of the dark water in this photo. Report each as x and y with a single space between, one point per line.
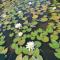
9 57
47 52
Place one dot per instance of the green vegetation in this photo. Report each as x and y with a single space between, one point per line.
23 22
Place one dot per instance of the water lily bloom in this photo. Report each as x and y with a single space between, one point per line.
18 25
30 45
54 8
30 3
19 12
20 34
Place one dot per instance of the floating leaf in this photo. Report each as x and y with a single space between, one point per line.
49 29
44 19
55 18
4 51
25 27
38 12
25 57
19 57
38 37
44 38
36 52
54 44
44 7
57 55
39 57
24 18
25 36
18 50
32 58
37 44
11 35
35 16
33 34
28 30
54 37
39 30
1 33
25 51
2 37
32 38
2 42
16 39
34 23
14 46
57 50
36 58
21 42
45 33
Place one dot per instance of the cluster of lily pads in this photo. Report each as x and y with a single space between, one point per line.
28 24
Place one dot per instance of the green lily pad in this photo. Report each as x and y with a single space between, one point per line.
54 37
54 44
57 55
36 52
25 51
25 57
37 44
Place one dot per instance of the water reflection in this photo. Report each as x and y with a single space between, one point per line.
2 57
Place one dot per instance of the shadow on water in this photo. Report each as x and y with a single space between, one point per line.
47 52
11 56
2 57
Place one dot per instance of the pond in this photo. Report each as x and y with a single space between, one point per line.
29 30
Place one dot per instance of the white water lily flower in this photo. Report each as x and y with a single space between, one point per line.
54 8
19 12
30 45
20 34
30 3
18 25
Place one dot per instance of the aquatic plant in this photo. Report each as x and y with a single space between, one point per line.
57 53
54 37
54 44
55 1
44 19
25 25
3 49
38 58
